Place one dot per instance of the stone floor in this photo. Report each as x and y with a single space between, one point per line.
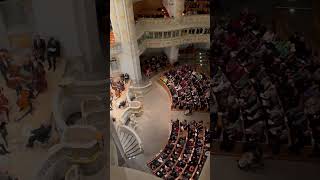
154 124
18 161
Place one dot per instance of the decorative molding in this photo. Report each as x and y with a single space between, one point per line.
169 42
171 24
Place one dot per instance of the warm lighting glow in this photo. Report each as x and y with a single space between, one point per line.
292 10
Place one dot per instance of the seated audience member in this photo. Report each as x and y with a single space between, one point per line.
154 64
4 64
41 134
190 90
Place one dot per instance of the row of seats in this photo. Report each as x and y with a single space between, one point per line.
185 153
190 89
154 64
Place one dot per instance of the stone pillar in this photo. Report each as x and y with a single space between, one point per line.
123 24
179 8
172 54
4 40
175 8
88 34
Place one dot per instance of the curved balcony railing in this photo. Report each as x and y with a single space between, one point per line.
73 173
73 149
171 24
168 42
174 27
68 98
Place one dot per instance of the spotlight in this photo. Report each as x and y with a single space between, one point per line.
292 10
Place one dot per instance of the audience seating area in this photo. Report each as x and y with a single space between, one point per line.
197 7
267 88
185 153
154 64
190 89
159 13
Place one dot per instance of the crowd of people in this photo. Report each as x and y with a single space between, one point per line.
159 13
185 153
196 7
27 76
190 90
267 87
154 64
118 86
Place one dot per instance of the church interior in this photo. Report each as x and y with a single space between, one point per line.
159 89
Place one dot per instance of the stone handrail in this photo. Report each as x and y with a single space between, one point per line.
133 87
74 88
57 111
170 24
84 145
61 153
91 105
168 42
129 130
56 154
73 173
130 110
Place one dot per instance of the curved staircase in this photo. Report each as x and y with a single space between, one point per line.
130 142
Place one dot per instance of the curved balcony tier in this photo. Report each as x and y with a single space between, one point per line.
171 24
168 42
166 32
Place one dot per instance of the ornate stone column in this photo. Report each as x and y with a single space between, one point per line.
123 24
179 8
175 8
172 54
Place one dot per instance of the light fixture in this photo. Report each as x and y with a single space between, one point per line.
292 10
